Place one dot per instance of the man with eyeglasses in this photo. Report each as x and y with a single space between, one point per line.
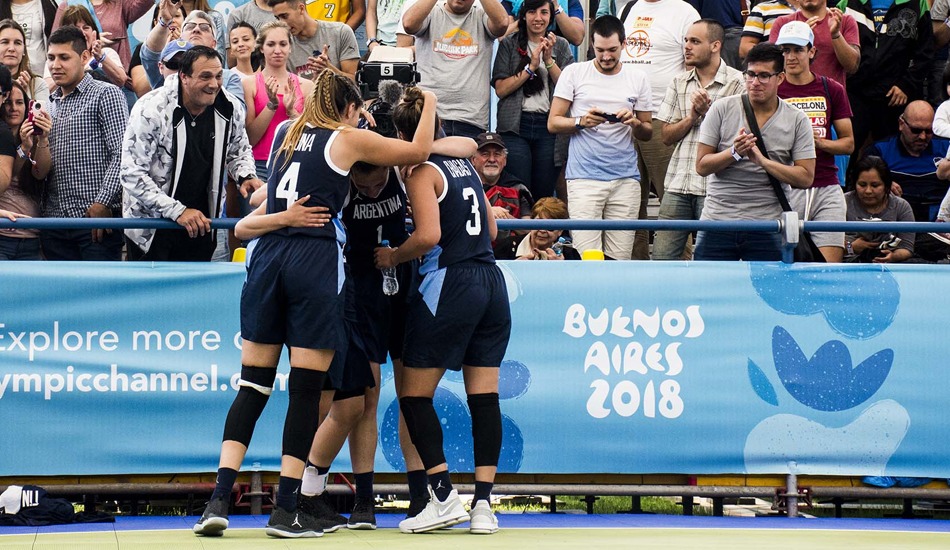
737 173
917 160
825 102
198 29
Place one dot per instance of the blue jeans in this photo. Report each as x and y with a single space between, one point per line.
738 245
459 128
669 245
531 155
76 244
16 248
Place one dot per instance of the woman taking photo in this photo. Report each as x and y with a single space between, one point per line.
243 40
20 192
539 243
15 58
112 18
277 93
527 67
458 319
292 294
103 59
872 200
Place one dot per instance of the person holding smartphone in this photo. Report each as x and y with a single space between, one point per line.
24 164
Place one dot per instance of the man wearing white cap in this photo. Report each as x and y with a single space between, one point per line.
825 102
836 38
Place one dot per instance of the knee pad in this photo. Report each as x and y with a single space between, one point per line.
254 389
303 411
486 428
425 431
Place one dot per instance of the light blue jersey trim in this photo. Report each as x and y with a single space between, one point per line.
431 289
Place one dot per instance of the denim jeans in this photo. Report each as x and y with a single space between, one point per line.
76 244
669 245
531 155
17 248
738 245
459 128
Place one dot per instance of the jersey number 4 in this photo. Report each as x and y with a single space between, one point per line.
287 186
474 225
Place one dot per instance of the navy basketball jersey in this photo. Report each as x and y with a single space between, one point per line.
370 221
309 172
462 216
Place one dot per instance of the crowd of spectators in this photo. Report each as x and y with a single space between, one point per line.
639 119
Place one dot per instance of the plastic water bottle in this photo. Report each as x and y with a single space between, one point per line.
558 247
390 282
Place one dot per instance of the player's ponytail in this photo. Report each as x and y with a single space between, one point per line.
408 112
324 108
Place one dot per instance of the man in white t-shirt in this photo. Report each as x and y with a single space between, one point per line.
603 105
655 31
36 18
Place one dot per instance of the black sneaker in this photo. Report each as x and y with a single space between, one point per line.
292 525
322 512
214 520
364 514
417 505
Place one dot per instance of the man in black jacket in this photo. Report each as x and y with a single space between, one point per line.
897 49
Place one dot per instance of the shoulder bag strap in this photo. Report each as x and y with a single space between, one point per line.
754 128
626 11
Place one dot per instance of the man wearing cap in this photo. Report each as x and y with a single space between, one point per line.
825 102
205 132
737 173
508 196
835 38
199 29
318 45
687 100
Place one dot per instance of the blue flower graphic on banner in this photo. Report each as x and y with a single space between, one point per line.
828 381
514 379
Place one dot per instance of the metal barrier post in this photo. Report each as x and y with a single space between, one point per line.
789 229
791 495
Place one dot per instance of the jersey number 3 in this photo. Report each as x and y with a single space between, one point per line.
474 225
287 186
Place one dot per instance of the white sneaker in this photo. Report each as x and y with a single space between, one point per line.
483 519
436 515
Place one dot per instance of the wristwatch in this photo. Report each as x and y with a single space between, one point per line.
736 155
371 40
577 123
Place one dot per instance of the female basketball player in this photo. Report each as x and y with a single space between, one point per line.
458 318
293 292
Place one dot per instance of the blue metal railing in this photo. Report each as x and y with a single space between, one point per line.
785 226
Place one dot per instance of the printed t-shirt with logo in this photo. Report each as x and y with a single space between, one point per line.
821 111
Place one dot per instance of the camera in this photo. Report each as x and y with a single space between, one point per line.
891 242
386 63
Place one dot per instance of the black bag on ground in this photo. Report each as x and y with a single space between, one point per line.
29 505
807 250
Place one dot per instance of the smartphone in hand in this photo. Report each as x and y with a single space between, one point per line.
35 109
609 117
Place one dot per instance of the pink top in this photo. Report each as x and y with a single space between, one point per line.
17 200
262 149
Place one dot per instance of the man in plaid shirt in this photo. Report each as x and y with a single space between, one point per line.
686 102
89 119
